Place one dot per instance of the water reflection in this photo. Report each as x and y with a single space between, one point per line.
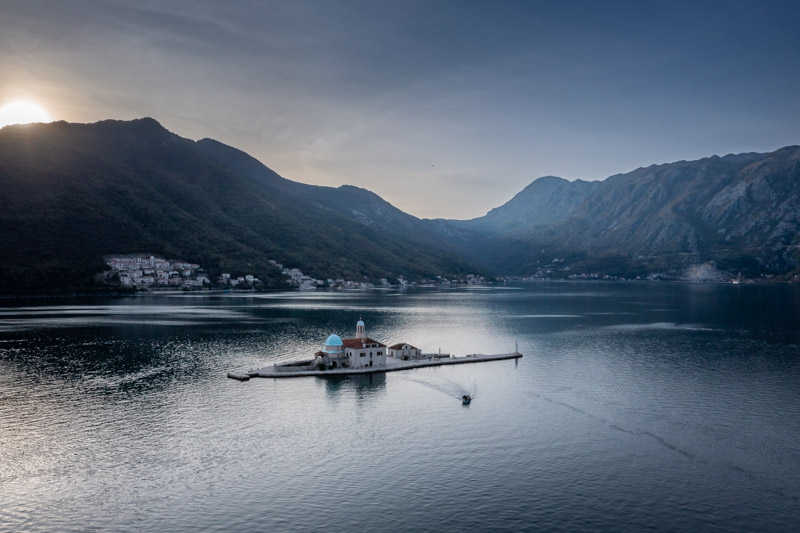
364 387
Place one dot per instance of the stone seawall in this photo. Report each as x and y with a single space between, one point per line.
283 370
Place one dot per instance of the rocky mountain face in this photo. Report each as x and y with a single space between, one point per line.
545 201
741 212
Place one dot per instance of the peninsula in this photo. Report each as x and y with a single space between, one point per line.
363 355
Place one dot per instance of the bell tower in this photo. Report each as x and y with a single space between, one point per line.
360 329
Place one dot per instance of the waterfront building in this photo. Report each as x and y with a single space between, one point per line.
404 351
333 356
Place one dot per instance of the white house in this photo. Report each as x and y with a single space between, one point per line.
362 351
404 351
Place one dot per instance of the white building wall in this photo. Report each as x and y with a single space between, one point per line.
354 357
355 360
399 354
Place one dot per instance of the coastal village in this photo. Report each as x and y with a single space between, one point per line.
142 272
297 279
706 272
150 272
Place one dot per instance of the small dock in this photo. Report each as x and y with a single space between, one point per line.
392 365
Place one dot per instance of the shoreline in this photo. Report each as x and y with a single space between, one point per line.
122 294
391 366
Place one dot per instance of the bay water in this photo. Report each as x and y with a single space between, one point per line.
636 407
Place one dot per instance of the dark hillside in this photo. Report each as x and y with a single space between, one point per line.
741 212
72 193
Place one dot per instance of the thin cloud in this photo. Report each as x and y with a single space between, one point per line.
372 93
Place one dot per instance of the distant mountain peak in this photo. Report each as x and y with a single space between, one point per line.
136 123
150 121
548 178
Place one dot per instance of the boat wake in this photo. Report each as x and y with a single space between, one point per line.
456 388
750 474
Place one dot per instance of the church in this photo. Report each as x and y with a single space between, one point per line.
359 352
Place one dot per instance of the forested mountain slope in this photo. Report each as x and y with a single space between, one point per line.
72 193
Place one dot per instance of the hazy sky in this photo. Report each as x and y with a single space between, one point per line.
445 109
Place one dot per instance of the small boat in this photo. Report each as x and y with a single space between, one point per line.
466 399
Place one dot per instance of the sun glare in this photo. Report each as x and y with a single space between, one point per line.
22 112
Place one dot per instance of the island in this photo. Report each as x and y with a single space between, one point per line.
363 355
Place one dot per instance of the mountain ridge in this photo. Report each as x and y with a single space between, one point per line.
72 193
708 210
75 193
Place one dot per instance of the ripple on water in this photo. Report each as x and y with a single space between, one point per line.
680 419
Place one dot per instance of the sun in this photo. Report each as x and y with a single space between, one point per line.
22 112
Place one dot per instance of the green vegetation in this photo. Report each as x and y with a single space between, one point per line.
73 193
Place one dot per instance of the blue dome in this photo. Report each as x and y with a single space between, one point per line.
360 323
334 340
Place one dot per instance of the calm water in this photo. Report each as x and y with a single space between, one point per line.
637 407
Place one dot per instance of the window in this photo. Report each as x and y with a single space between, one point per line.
380 353
363 354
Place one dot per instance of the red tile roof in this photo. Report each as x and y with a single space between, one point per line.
359 343
400 345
